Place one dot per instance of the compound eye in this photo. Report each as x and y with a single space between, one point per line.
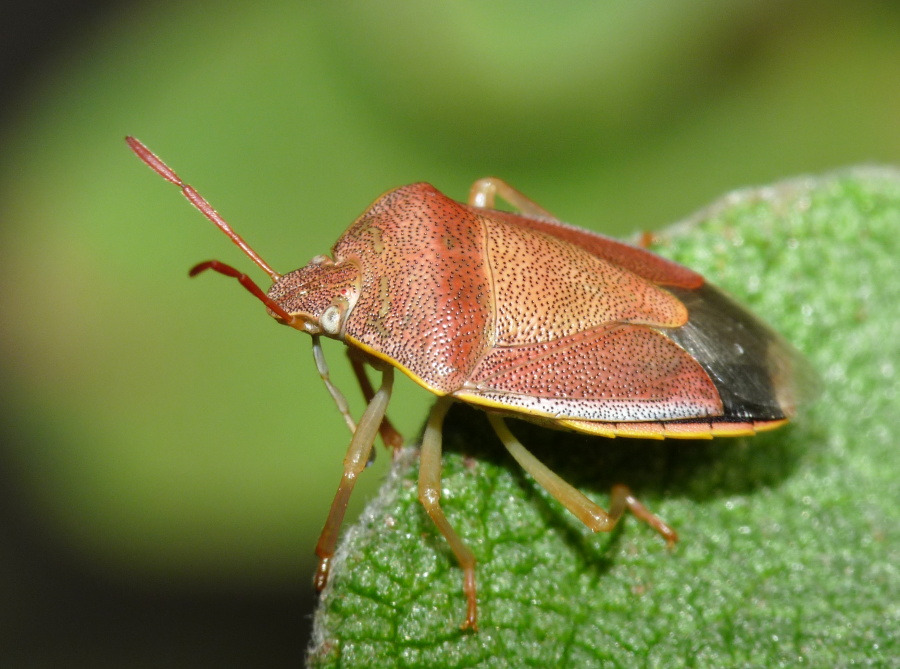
331 320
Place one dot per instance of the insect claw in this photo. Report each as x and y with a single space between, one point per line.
471 621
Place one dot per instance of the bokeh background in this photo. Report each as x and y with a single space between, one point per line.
168 454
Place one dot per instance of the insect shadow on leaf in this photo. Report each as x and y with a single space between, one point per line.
699 470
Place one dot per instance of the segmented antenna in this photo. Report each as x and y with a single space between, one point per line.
167 173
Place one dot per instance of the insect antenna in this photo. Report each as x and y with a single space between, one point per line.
167 173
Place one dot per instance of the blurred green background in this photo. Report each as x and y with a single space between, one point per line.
168 454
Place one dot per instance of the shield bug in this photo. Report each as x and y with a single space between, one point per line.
522 316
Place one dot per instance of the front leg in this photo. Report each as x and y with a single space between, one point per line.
354 463
389 435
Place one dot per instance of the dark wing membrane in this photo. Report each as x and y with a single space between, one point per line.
758 374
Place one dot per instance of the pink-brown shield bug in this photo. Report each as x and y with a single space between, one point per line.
523 316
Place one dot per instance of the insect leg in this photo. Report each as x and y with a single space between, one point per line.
354 462
336 395
389 435
580 506
484 191
430 496
621 495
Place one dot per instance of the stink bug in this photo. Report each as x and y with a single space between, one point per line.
523 316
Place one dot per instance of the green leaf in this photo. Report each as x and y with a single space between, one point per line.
789 551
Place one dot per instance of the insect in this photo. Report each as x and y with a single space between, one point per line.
523 316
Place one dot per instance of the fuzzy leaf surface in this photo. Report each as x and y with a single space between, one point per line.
790 540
